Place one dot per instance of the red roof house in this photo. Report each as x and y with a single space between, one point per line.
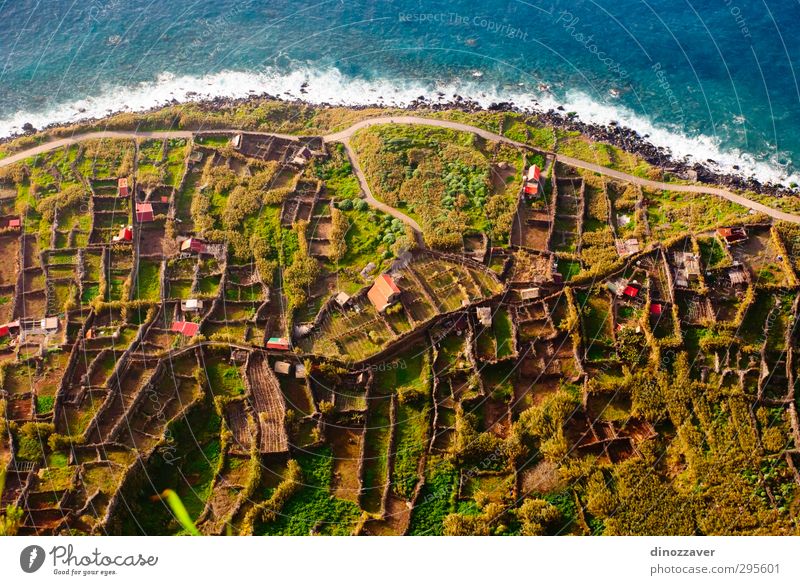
534 173
193 245
631 291
144 212
125 234
8 328
656 308
122 187
384 292
187 328
279 343
732 235
14 223
531 188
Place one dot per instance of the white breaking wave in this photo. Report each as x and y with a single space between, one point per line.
331 86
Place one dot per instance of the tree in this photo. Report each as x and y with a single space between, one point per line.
538 517
339 227
648 396
631 346
11 517
345 204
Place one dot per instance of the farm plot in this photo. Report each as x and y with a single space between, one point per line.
496 341
761 255
107 158
376 454
596 320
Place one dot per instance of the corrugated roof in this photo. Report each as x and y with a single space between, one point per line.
187 328
382 291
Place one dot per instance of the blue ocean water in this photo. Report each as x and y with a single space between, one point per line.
707 78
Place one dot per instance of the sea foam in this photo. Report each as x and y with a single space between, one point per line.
333 87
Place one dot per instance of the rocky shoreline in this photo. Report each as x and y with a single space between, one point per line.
629 140
622 137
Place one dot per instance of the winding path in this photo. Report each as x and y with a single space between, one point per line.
345 135
380 205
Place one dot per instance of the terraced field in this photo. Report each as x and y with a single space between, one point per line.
242 326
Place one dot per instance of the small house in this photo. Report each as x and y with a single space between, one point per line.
627 247
278 343
300 371
732 235
533 180
186 328
737 276
14 222
49 324
692 263
342 299
191 305
302 156
631 291
528 294
617 286
484 316
656 309
122 187
193 245
687 268
9 328
144 212
384 292
282 368
125 234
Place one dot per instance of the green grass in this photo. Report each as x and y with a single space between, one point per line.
671 213
596 313
364 238
436 500
501 324
44 404
438 176
711 252
568 268
213 140
148 285
90 291
411 440
176 155
198 442
208 285
313 509
410 368
376 447
224 379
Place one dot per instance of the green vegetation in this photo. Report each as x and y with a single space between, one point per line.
148 285
437 499
604 417
442 178
224 379
313 510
